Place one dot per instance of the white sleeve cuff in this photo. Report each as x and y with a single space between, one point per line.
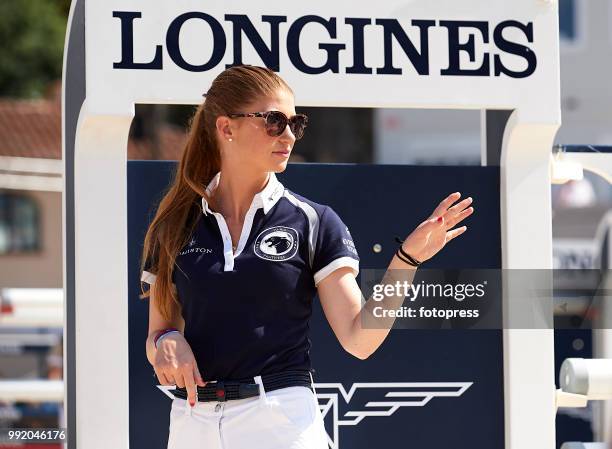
340 262
147 277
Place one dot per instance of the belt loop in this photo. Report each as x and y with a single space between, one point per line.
262 391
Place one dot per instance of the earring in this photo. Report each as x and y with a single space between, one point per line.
230 139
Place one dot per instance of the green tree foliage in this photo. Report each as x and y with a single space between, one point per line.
32 37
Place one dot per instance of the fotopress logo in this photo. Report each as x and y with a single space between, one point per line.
432 298
473 298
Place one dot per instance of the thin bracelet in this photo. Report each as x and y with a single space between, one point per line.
409 257
400 257
411 260
162 334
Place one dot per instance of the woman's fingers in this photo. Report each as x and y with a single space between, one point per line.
178 378
460 216
455 232
187 373
197 376
460 206
163 380
170 378
445 204
178 367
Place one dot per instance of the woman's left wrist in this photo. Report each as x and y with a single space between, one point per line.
407 257
414 254
407 254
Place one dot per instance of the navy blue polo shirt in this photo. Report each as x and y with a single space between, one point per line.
246 312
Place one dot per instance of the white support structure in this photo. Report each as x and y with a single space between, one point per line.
526 222
600 163
32 307
26 390
117 54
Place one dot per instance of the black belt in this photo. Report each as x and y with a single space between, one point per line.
246 388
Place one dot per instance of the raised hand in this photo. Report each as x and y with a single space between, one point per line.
432 234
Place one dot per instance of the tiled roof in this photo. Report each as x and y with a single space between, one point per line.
32 128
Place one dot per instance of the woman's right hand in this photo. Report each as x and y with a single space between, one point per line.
176 365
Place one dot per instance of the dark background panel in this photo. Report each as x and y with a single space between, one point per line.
377 202
149 407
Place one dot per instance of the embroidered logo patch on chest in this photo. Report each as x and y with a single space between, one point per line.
277 243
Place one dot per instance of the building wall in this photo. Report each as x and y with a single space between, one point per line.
44 268
427 136
451 137
585 76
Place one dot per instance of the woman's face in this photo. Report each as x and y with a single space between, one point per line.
251 147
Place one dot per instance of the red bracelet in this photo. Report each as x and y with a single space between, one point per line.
162 332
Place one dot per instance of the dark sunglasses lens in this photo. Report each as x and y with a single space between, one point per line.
275 123
297 125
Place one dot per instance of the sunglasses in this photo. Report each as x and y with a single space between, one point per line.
276 122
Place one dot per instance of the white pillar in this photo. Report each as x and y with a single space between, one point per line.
526 225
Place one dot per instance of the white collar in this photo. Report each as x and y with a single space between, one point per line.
267 198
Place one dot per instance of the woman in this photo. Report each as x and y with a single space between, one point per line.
234 267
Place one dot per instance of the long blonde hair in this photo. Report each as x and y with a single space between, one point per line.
180 207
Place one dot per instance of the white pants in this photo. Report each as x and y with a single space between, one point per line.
287 418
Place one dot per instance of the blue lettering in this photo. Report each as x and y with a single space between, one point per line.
514 49
172 41
127 44
242 24
420 61
293 45
454 47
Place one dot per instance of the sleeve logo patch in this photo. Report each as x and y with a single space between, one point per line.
350 245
